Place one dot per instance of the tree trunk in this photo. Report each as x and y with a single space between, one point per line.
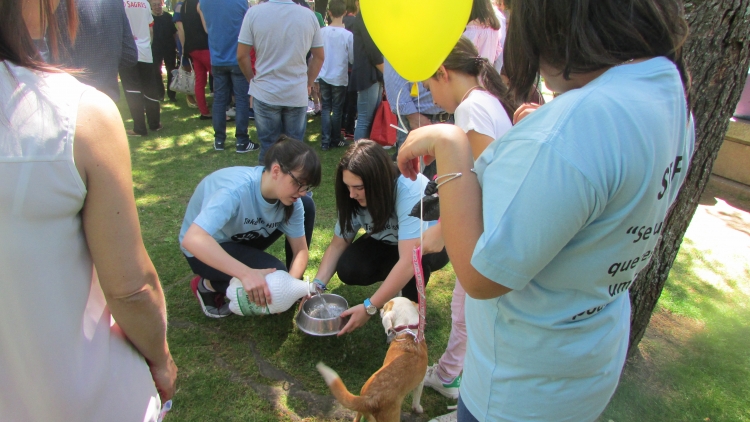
717 53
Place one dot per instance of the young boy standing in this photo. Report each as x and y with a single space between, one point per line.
339 52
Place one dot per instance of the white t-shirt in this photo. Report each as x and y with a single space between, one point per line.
574 199
228 205
141 20
282 33
338 46
482 113
400 225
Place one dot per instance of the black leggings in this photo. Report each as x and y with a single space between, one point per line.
251 252
367 261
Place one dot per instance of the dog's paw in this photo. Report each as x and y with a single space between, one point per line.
417 408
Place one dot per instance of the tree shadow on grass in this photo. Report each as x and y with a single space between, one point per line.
694 360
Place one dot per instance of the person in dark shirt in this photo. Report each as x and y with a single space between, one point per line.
104 43
164 47
367 76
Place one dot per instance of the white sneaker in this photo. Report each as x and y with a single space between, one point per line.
450 389
450 417
231 112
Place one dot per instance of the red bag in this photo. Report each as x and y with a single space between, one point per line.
382 132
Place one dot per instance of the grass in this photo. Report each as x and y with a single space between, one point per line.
695 363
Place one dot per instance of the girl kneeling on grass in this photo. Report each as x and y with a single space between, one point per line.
370 194
238 212
541 235
469 86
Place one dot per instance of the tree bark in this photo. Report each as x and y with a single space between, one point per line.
717 53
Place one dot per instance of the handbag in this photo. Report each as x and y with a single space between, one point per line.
382 132
183 80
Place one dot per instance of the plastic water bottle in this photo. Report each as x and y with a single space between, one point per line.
285 291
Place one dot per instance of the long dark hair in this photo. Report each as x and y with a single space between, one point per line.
580 36
16 44
371 163
294 155
483 11
465 58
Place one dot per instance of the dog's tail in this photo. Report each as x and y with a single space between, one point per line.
339 390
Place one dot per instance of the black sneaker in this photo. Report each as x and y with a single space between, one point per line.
251 146
218 146
212 303
339 144
324 147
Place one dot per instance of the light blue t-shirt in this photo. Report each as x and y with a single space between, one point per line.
400 225
223 21
574 200
229 206
282 33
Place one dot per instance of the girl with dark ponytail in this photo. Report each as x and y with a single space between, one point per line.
469 86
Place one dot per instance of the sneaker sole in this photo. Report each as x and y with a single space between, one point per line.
194 287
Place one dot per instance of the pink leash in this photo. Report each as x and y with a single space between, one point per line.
418 275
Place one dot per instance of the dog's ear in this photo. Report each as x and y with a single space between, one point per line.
387 307
387 318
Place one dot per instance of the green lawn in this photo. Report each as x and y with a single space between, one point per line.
262 369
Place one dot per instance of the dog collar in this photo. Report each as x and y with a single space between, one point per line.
401 328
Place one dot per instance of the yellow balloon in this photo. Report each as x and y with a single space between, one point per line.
415 36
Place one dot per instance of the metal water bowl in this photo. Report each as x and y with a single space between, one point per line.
309 318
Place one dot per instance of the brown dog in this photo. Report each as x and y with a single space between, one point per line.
403 369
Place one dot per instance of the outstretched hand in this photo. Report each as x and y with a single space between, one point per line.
357 318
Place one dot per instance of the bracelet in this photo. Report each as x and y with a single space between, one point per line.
450 176
321 286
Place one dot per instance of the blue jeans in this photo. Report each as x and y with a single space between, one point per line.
368 101
228 79
332 108
463 414
271 121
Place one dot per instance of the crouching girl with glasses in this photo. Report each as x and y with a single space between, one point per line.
238 212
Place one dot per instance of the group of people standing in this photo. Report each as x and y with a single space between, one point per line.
536 203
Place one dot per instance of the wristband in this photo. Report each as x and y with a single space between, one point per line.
320 285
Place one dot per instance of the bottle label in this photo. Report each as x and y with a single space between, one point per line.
247 307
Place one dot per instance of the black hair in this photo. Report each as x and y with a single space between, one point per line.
369 161
294 155
337 8
351 6
581 36
483 11
465 58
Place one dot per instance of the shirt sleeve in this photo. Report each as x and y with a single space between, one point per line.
409 195
129 56
477 115
295 227
394 84
246 35
217 211
522 232
317 37
350 47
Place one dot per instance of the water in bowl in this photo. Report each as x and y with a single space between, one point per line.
326 311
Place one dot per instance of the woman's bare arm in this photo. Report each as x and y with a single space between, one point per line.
110 222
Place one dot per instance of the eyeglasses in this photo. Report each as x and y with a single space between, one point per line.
300 187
